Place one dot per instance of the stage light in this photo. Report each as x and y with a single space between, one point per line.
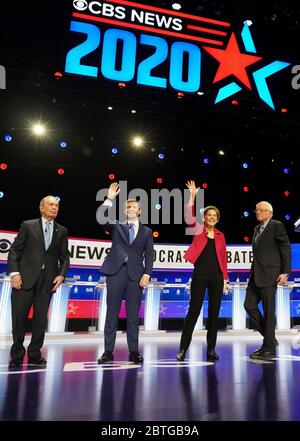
288 217
111 176
286 170
155 233
57 198
1 194
114 150
137 141
180 95
38 129
63 144
246 213
245 165
3 166
246 238
235 102
221 152
60 171
204 185
158 206
159 180
121 85
176 6
248 22
286 193
246 189
206 160
133 111
8 138
110 108
200 93
58 75
284 110
161 156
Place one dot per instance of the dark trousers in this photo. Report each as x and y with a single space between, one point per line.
21 301
117 285
265 324
215 292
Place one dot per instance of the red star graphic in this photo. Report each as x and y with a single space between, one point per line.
232 62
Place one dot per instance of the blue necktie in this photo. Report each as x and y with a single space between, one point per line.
47 234
131 233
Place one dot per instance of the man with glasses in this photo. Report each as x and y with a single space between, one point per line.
271 266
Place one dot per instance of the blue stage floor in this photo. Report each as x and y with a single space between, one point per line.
74 388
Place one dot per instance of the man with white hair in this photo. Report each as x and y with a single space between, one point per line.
38 261
271 266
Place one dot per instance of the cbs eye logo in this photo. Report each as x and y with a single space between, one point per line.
4 245
80 5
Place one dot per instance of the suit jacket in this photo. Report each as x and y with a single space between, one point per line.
140 253
200 240
27 254
271 254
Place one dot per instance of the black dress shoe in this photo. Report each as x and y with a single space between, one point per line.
37 361
181 355
136 357
17 362
258 351
212 355
263 355
106 357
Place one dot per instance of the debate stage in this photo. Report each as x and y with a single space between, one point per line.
73 387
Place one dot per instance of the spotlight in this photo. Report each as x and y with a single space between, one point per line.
235 102
288 217
248 22
121 85
155 233
176 6
60 171
246 238
114 150
110 108
38 129
246 213
180 95
246 189
58 75
206 160
111 176
133 111
1 194
221 152
158 206
63 144
3 166
8 138
57 198
245 165
284 110
205 185
159 180
137 141
161 156
200 93
286 193
286 170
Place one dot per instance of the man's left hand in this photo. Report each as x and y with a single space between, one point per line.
282 279
57 282
144 280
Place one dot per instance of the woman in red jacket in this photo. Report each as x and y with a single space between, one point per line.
208 254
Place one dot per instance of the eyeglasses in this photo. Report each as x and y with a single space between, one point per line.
259 210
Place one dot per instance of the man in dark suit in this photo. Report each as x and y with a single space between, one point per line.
271 266
35 275
128 268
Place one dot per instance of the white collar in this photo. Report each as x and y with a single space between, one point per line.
135 223
45 220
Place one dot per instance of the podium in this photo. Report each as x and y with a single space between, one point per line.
59 307
238 311
152 305
5 306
